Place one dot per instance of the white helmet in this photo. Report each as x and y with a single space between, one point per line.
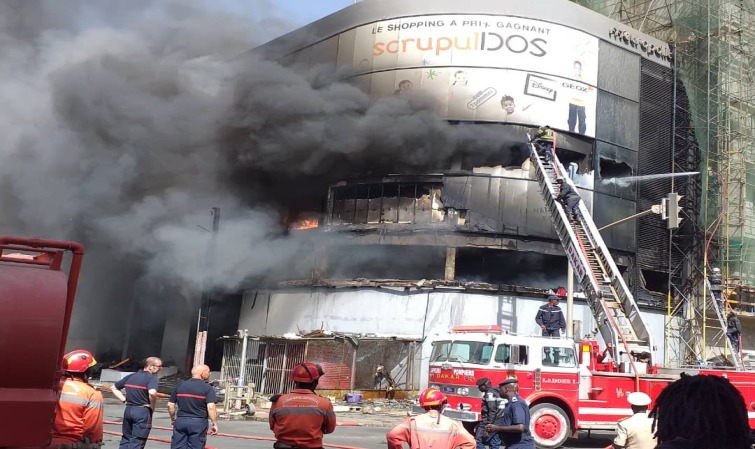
716 270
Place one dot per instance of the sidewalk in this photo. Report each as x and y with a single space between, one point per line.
352 418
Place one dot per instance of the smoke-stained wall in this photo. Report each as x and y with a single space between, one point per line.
503 63
412 314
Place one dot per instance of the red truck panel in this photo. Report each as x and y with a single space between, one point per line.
36 299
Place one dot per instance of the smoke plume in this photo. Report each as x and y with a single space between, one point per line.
123 123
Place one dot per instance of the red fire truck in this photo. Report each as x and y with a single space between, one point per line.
567 384
570 385
37 289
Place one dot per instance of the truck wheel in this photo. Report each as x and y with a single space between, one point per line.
549 425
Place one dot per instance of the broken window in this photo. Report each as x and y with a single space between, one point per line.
610 168
390 202
496 266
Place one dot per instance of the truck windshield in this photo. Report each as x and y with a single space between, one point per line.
474 352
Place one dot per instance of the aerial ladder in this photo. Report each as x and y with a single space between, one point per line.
719 309
616 313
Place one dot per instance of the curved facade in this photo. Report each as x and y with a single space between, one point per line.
468 241
607 89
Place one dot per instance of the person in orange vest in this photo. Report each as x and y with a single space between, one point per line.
431 429
300 418
78 414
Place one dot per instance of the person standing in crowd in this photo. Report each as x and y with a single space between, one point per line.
514 426
636 431
716 286
78 414
701 412
195 399
569 198
300 418
491 408
550 318
431 429
733 330
140 400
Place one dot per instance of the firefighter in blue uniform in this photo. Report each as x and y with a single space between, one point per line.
140 399
514 426
195 399
550 318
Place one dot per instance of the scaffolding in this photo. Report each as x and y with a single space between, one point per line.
713 42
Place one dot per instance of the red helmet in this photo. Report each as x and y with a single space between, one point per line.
432 397
306 372
78 361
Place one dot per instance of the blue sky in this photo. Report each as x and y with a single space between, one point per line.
294 13
306 11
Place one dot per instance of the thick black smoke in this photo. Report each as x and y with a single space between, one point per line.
123 123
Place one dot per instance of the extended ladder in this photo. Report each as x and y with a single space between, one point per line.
718 308
616 313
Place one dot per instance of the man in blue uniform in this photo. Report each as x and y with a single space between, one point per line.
196 403
514 426
140 399
550 318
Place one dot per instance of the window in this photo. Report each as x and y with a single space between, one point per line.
511 354
559 357
474 352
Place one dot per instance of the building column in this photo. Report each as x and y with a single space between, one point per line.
450 274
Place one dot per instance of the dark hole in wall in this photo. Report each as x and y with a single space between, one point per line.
610 168
510 267
513 156
655 281
568 157
386 262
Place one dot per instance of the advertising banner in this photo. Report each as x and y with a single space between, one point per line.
472 63
495 95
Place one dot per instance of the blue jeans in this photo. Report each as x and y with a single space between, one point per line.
492 439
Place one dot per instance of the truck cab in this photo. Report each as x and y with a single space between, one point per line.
547 370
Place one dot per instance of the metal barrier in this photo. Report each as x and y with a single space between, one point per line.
349 362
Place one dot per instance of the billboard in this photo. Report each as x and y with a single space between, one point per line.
495 95
472 63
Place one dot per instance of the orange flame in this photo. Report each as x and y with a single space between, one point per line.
306 223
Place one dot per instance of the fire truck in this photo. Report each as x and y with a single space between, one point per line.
569 385
36 302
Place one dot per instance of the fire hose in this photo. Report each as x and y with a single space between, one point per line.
219 434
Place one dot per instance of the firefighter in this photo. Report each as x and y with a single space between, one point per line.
715 284
491 407
514 426
544 142
733 330
140 399
550 318
569 198
636 431
431 429
300 418
196 403
78 414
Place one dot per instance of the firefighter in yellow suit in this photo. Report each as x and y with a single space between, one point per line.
431 429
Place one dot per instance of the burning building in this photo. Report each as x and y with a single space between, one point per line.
409 249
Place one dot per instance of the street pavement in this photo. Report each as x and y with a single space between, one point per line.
370 435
